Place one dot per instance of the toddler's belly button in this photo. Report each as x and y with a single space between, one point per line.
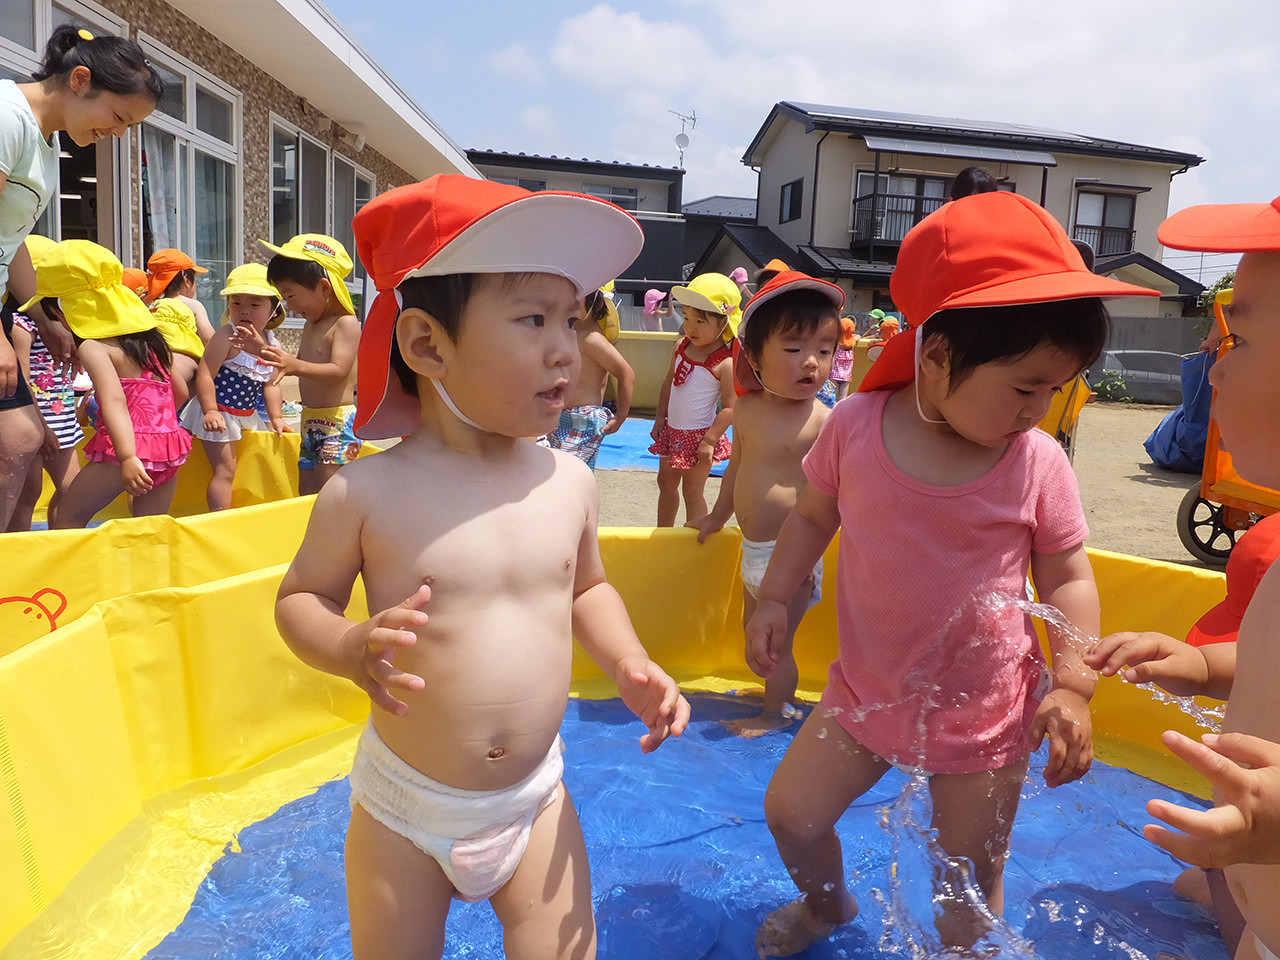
497 753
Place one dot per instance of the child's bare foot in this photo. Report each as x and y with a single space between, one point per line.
751 727
793 928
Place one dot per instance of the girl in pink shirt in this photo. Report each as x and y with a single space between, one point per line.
934 470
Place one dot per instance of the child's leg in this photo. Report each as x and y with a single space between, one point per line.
310 481
693 483
222 460
668 493
156 501
20 434
973 814
28 498
93 488
397 896
842 388
780 689
545 908
823 771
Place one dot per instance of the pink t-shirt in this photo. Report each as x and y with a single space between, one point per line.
923 676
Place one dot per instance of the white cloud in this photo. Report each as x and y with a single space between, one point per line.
539 123
517 64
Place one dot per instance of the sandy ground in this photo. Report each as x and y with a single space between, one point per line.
1131 505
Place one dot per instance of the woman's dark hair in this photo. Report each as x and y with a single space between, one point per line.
146 348
802 309
179 280
115 64
979 335
595 306
972 180
305 273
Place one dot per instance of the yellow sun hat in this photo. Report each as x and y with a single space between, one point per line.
326 251
251 279
177 324
85 278
713 293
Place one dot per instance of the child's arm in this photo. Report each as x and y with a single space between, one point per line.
274 401
664 397
344 345
804 536
603 628
22 341
1065 580
615 364
1182 669
114 410
1244 827
204 329
724 371
723 510
214 354
315 592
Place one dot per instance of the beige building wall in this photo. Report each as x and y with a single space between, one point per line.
651 194
261 96
790 158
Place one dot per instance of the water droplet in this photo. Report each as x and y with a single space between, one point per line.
822 733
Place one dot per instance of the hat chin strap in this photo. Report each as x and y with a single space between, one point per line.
453 407
915 378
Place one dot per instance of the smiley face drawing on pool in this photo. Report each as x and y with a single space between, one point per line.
23 619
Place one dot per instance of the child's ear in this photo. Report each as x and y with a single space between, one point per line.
935 358
423 342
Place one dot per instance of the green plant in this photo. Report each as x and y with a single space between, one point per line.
1111 386
1205 324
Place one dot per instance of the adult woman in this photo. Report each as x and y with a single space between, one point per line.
91 88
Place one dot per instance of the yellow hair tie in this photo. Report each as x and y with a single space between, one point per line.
84 34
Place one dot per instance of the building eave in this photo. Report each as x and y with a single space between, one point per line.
301 44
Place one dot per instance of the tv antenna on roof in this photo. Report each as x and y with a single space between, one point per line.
682 138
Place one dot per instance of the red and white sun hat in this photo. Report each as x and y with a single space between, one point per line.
1254 553
452 224
1224 228
984 250
786 282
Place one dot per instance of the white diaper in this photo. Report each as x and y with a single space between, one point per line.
477 836
755 560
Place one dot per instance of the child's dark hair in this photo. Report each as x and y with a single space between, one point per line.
115 64
146 348
305 273
595 306
978 335
764 275
180 279
801 309
973 180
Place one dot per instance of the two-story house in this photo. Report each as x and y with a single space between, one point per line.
839 188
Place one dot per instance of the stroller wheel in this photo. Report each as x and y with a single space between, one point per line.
1203 529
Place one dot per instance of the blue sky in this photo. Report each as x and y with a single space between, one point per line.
572 78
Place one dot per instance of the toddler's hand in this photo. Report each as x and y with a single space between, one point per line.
1063 716
706 525
248 338
280 427
612 426
374 644
1245 825
136 479
214 423
765 634
1151 658
49 446
654 697
706 449
278 358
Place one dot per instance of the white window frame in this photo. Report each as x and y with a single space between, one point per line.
278 122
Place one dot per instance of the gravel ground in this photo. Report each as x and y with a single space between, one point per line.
1131 505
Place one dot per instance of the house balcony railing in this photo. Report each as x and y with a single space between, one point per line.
1106 241
888 216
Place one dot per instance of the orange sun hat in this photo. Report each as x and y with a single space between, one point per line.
1224 228
449 224
163 266
984 250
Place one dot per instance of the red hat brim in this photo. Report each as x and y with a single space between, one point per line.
1224 228
1219 625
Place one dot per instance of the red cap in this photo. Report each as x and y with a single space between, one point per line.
163 266
136 280
1224 228
451 224
984 250
787 282
1255 550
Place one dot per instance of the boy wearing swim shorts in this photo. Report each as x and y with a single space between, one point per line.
456 786
309 272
